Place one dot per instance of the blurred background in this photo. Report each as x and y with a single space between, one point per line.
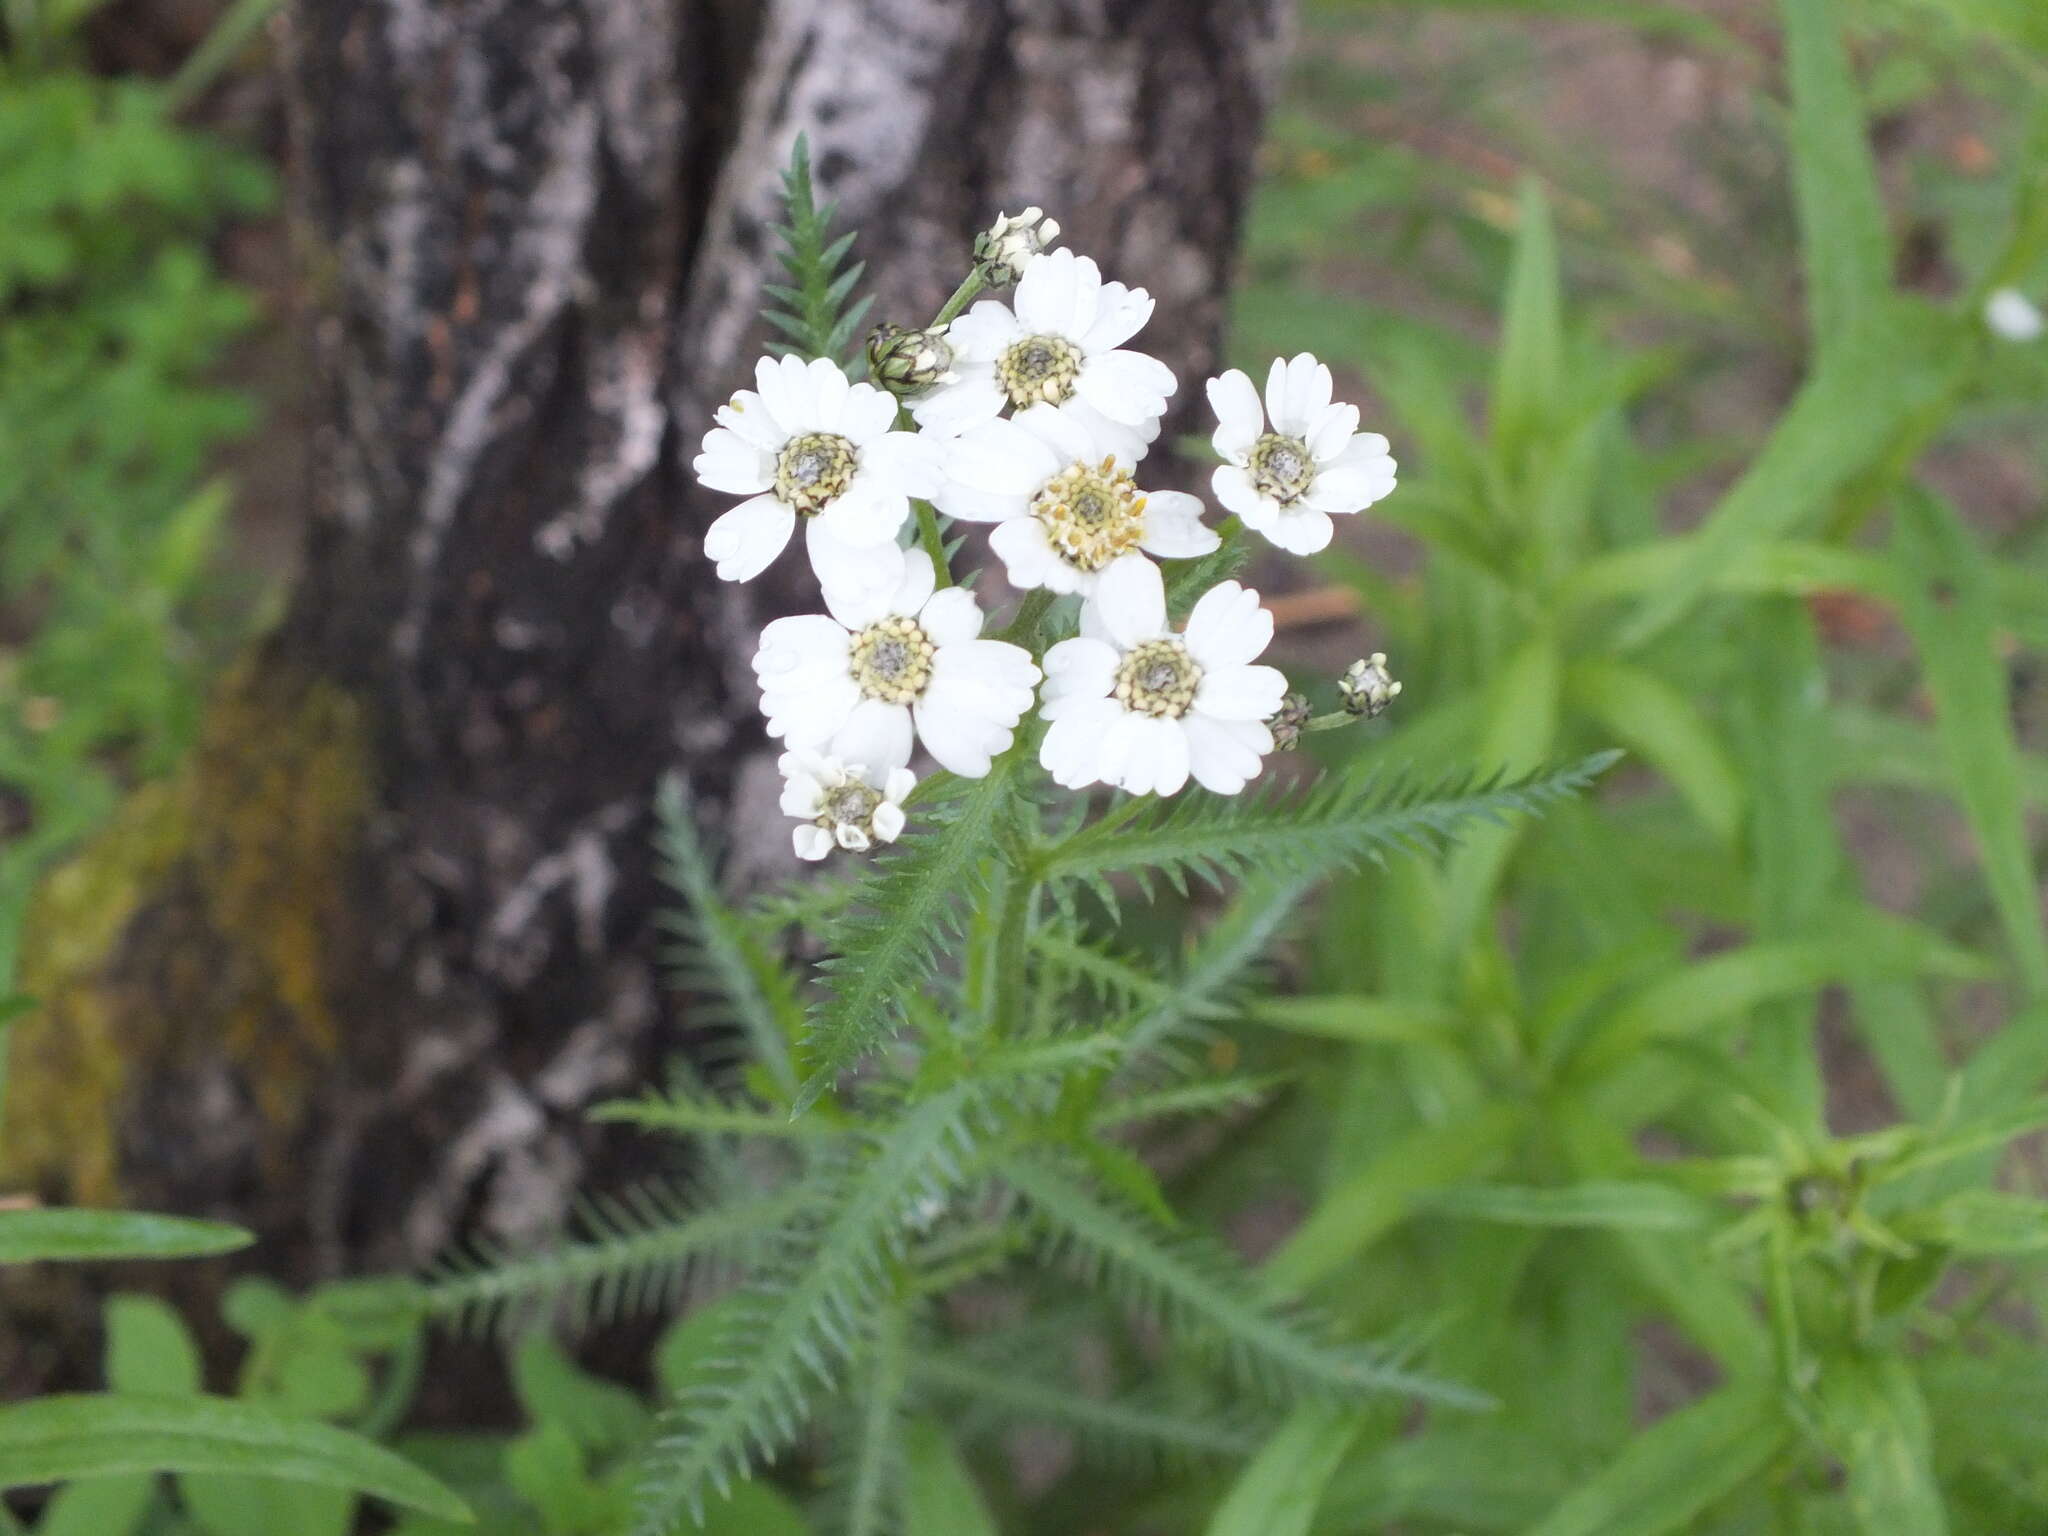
1710 351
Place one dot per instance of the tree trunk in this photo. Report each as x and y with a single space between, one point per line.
353 976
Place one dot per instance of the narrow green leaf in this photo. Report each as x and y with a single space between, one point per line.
1946 582
1875 1420
1982 1221
1278 1494
1361 1020
940 1496
1845 248
1531 362
1644 712
79 1236
55 1439
1675 1469
149 1350
1636 1206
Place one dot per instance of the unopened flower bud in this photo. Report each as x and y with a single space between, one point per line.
1006 247
1367 687
907 362
1287 721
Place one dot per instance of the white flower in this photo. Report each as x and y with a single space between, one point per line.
853 685
1013 241
2012 316
842 805
1285 483
1063 499
1063 346
811 445
1135 705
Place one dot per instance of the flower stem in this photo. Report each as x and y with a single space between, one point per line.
1023 629
934 541
1335 719
962 297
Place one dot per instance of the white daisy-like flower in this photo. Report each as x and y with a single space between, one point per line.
1064 500
1286 482
841 805
2012 316
808 444
1135 705
890 661
1063 345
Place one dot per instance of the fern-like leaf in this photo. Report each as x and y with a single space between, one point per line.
640 1251
1341 821
916 899
1207 1298
799 1322
717 955
815 315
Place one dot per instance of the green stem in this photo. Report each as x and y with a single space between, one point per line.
215 53
933 540
1336 719
962 296
1023 629
1006 989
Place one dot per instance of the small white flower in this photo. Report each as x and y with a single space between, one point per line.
854 685
2012 316
811 445
842 805
1063 345
1135 705
1013 242
1064 500
1285 483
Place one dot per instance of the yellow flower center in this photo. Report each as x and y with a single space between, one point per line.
1092 513
1158 678
892 660
1282 467
1038 368
813 469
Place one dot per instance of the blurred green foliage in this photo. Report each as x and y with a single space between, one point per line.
113 319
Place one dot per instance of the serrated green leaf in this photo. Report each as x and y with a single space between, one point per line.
55 1439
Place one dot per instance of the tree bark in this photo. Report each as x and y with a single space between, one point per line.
353 976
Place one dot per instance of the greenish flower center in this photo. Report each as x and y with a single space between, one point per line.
811 470
892 660
1158 678
1039 368
1091 513
1281 467
852 804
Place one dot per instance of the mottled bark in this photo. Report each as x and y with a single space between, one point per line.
354 976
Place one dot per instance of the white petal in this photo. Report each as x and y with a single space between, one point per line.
874 734
1005 457
1228 627
1046 297
1120 313
1297 529
959 739
743 543
1225 755
868 413
1239 416
1332 431
746 415
810 715
1127 387
1119 758
898 785
800 644
831 391
1077 670
865 514
997 676
1130 601
979 506
1071 751
731 464
952 617
1174 528
1240 693
1029 560
850 837
812 842
1127 442
1161 755
785 386
920 579
981 334
904 461
952 408
802 794
1071 439
1304 392
1233 488
1349 490
854 577
888 821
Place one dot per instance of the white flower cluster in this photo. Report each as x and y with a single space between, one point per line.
1035 422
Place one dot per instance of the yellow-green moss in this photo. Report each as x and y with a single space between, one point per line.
203 919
